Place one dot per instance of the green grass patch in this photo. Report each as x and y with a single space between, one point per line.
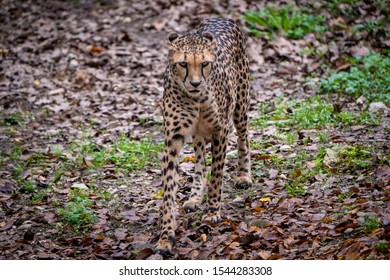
294 188
368 76
28 186
311 113
19 165
382 246
255 145
343 157
16 153
58 172
14 119
34 162
286 20
369 223
296 183
127 155
327 161
375 28
299 177
77 212
265 112
288 137
352 156
323 136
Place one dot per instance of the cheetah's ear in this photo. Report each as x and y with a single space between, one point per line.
172 37
209 37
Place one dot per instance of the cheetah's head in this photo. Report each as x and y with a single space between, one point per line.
191 59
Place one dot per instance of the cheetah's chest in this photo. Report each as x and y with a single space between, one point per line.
207 125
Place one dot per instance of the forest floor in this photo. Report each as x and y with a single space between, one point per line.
81 133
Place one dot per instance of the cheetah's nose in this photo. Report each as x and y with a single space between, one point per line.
195 84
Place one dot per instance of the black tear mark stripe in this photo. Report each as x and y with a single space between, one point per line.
201 67
185 78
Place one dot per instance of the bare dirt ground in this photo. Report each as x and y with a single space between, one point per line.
74 73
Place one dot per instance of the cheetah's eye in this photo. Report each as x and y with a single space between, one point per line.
183 64
205 63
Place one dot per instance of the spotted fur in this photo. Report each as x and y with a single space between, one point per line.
206 89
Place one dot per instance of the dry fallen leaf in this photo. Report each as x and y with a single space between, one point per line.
265 199
265 255
144 254
96 49
189 159
353 252
6 224
382 175
273 173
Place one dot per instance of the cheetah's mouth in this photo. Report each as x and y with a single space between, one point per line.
194 91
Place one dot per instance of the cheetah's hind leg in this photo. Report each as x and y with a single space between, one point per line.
243 179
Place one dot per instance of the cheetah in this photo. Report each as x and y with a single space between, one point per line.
206 90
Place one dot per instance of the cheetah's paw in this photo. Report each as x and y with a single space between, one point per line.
213 218
164 246
190 206
243 182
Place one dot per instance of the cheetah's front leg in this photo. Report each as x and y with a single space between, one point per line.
218 148
170 179
197 190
